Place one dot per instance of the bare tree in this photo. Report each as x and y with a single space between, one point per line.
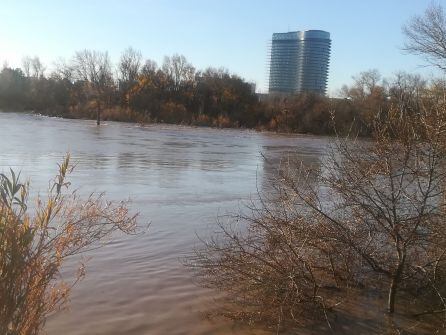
372 214
426 36
94 69
37 67
26 64
129 65
63 70
365 84
149 68
407 90
179 70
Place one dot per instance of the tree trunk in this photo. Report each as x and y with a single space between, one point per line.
98 115
392 293
394 284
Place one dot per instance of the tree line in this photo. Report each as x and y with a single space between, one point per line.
137 90
89 86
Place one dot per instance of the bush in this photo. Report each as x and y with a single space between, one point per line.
371 216
172 112
34 246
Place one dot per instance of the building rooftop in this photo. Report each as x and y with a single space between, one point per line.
300 35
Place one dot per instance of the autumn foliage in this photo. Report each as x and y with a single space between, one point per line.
367 221
90 86
35 241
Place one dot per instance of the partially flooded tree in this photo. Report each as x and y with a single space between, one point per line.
371 216
93 68
426 36
35 244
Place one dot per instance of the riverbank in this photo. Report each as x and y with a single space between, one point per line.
124 115
211 97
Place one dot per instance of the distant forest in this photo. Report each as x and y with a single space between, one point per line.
137 90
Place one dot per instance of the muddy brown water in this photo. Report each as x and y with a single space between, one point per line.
179 179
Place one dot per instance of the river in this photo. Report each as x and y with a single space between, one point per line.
179 179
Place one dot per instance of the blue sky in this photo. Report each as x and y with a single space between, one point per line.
230 33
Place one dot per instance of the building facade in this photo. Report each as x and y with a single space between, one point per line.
299 62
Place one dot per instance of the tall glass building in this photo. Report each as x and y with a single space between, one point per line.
299 62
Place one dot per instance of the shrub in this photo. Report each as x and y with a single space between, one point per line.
33 247
371 215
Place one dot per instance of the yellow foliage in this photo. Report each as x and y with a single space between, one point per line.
34 246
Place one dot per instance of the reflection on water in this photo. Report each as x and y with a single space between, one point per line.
179 178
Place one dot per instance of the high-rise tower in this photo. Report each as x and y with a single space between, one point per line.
299 62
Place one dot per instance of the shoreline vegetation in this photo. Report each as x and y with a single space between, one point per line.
370 218
90 87
36 242
365 223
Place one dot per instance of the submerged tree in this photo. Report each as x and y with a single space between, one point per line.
372 215
33 247
94 70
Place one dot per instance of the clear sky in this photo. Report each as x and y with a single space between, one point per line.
227 33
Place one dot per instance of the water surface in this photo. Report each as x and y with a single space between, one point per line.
179 179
